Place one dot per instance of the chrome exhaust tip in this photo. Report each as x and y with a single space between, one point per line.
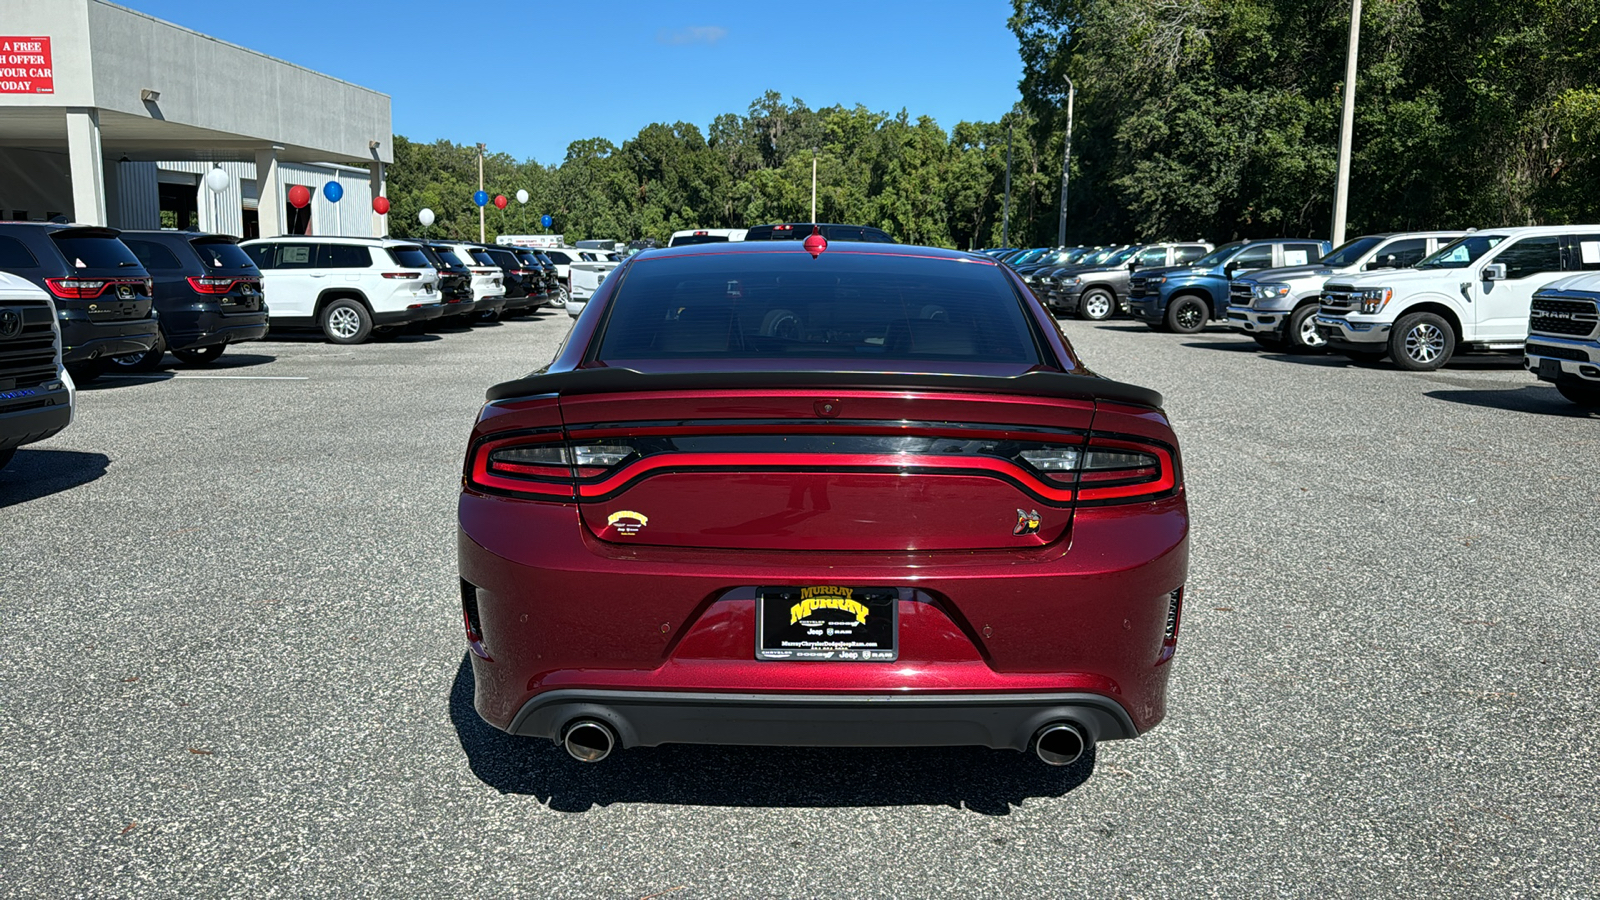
589 740
1060 744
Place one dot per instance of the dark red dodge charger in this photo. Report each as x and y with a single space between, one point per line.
846 495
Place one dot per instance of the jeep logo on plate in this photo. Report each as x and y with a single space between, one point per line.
10 323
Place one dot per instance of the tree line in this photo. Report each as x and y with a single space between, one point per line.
1193 118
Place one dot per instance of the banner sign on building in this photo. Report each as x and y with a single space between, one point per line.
25 66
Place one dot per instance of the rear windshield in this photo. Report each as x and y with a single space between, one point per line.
409 256
482 257
529 259
875 309
448 257
691 239
222 255
85 252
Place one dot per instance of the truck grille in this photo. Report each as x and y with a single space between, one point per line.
1339 301
1139 287
29 359
1572 318
1239 294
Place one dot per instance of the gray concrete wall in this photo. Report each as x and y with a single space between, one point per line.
35 181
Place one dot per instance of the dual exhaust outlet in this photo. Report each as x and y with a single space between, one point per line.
1056 744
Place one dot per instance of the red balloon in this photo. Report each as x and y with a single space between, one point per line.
500 201
299 196
816 243
380 205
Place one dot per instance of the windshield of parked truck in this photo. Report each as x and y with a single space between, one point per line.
1121 257
1462 253
1350 252
1218 256
1027 256
1098 257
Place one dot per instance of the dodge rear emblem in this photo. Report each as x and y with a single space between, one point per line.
10 323
1027 522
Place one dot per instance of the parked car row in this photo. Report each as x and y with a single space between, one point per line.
1417 298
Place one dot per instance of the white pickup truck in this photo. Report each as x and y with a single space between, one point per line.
586 278
1474 294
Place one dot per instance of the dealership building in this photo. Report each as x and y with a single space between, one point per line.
111 117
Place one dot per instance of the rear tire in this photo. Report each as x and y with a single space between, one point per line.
1421 342
201 356
1582 393
141 362
1302 333
1097 305
345 321
1187 314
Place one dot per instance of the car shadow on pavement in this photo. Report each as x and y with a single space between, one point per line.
1539 399
1246 345
985 781
33 474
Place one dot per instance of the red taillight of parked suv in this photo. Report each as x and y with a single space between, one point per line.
872 499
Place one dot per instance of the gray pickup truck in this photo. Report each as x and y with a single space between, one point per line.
1097 292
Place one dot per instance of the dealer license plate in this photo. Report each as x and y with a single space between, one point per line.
1549 369
826 622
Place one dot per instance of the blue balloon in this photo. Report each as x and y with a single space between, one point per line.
546 221
332 191
480 198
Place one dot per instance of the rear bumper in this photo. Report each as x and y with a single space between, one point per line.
989 642
185 330
651 718
83 339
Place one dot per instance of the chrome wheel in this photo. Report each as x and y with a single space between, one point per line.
1309 335
1425 343
1097 306
344 322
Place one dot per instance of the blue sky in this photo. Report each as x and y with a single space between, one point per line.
607 69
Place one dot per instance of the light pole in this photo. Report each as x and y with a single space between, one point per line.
1066 168
813 185
1341 192
482 233
1005 220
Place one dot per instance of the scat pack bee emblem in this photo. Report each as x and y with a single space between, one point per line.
627 522
1027 522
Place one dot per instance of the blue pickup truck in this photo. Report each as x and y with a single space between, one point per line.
1185 298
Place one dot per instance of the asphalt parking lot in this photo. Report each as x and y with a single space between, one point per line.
234 663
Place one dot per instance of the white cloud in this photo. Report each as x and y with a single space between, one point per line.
698 34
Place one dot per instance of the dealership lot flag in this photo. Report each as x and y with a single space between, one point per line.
25 66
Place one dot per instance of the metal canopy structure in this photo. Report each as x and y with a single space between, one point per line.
105 84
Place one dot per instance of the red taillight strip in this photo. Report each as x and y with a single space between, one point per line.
479 474
57 286
912 429
1166 478
742 462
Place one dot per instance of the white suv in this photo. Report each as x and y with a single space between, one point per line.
346 286
1474 294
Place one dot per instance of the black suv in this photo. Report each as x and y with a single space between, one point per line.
104 297
524 284
208 293
455 279
799 231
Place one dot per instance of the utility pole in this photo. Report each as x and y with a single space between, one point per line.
813 185
1005 221
482 233
1066 168
1341 192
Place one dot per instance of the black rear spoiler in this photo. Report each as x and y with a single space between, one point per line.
617 380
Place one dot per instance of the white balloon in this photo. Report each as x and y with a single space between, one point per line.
425 217
522 196
218 181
